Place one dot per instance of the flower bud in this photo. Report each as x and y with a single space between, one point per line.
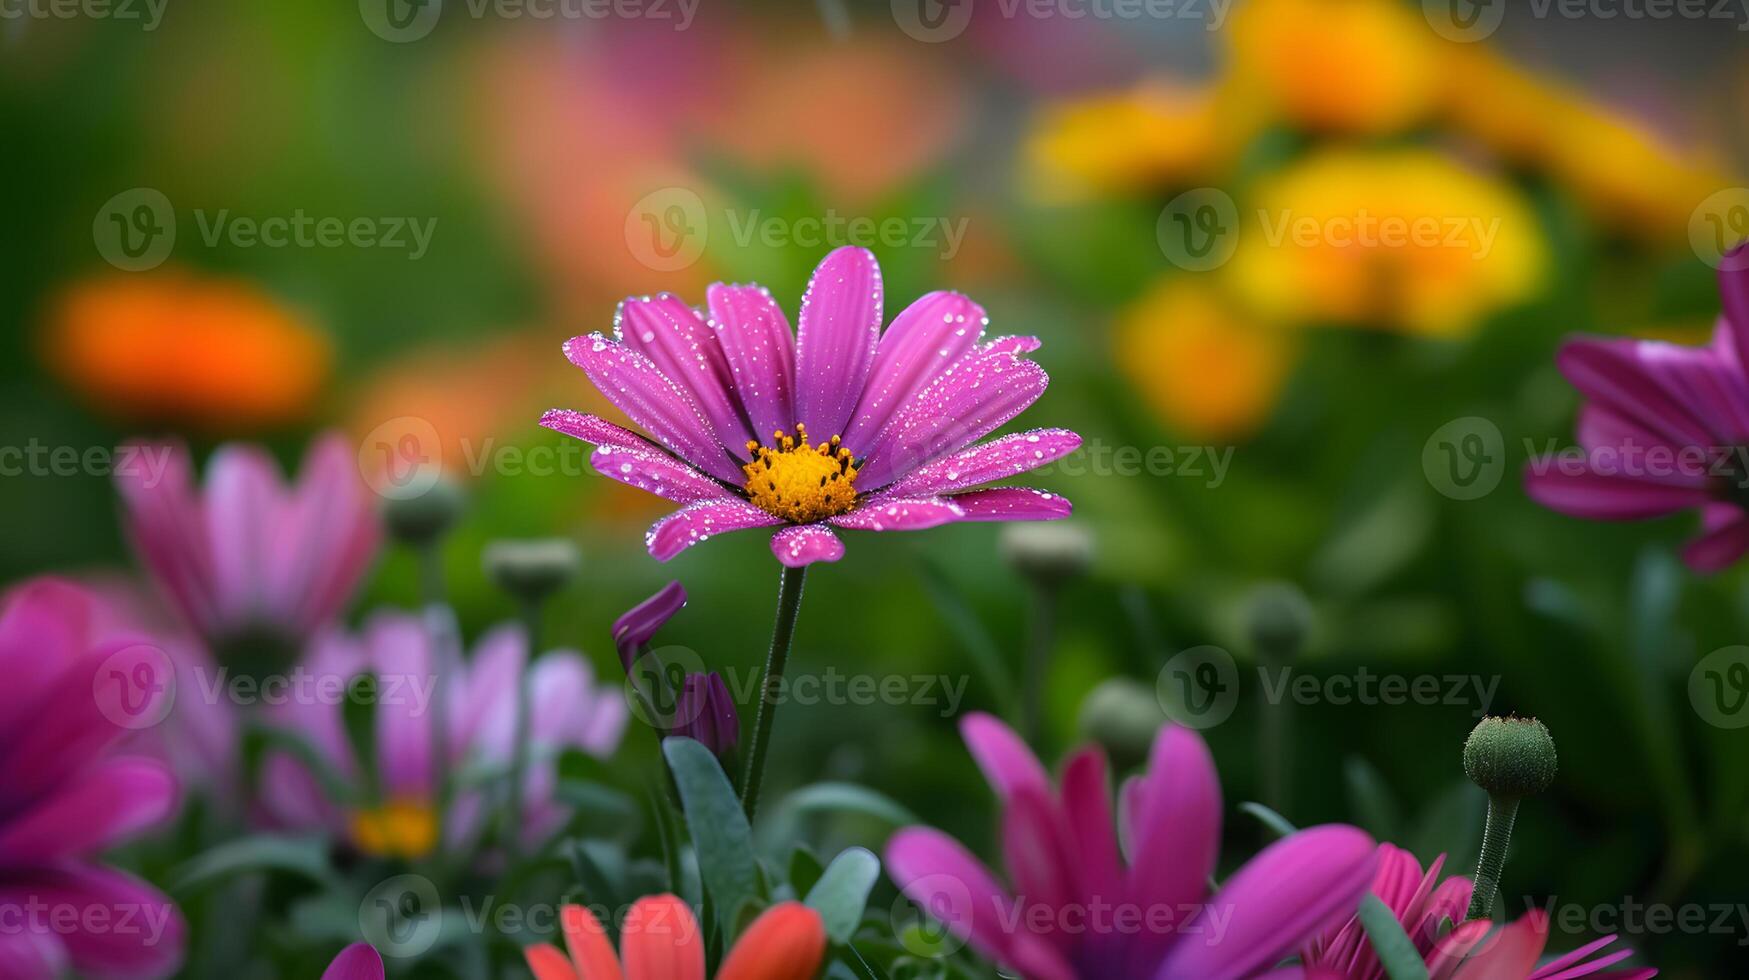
640 623
421 520
1124 717
1278 620
1510 757
1048 551
711 718
531 570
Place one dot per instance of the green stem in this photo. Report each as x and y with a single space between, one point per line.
1502 811
1041 634
789 603
437 638
531 611
1276 735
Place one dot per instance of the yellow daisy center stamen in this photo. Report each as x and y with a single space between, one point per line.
404 827
798 481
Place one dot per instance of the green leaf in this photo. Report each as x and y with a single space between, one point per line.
841 894
849 798
306 856
720 832
1269 818
804 869
359 713
1396 952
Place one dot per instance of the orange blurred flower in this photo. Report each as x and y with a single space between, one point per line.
1206 369
1401 239
1351 66
172 347
1155 135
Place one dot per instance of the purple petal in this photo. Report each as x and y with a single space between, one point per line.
244 503
1087 808
995 460
1598 427
1721 546
1569 486
27 955
69 725
980 393
1012 504
835 345
894 513
46 626
360 961
480 716
694 523
924 340
328 536
1177 832
760 349
631 459
805 544
947 882
1007 763
638 625
104 805
1012 345
1040 857
123 926
167 531
650 398
677 340
1615 373
1734 294
1298 887
400 658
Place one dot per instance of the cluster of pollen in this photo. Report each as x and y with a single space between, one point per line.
798 481
404 827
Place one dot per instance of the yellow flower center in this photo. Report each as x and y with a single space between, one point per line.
404 827
798 481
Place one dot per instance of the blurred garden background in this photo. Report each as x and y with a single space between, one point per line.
387 217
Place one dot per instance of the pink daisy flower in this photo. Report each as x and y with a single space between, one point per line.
1421 903
360 961
839 426
1662 430
65 796
1077 912
249 561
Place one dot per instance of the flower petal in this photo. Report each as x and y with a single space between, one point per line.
978 394
698 521
953 887
1615 373
1176 834
591 952
650 398
547 963
1720 547
760 350
360 961
631 459
1570 486
1734 294
894 513
166 528
45 627
141 933
1511 952
1296 888
926 338
243 504
639 624
1087 808
786 942
661 941
89 811
835 344
805 544
1007 763
328 535
995 460
1012 504
677 340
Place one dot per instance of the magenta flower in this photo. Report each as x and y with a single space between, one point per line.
841 426
1076 912
1663 429
391 808
360 961
1421 903
247 558
64 795
700 706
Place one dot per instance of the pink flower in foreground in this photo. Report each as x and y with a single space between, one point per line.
360 961
64 796
1663 429
396 813
1080 911
246 558
840 426
1421 903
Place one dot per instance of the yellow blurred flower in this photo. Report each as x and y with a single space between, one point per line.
170 347
1403 239
1152 136
1349 66
1629 179
1197 361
